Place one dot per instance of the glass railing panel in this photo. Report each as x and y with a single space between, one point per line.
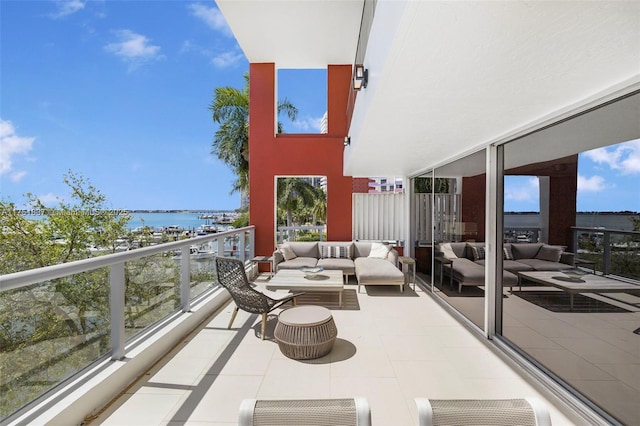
48 332
51 330
152 290
609 252
203 275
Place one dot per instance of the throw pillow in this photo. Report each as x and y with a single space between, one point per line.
287 252
550 253
508 254
447 251
379 251
478 252
335 252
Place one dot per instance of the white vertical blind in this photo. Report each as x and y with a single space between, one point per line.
446 212
378 216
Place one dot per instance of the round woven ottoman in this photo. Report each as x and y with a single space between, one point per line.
305 332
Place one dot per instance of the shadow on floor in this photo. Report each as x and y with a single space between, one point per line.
556 301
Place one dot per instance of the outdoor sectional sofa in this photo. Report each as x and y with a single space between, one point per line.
372 263
468 260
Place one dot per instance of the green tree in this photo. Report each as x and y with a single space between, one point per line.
426 185
230 109
242 220
319 208
295 194
39 323
65 232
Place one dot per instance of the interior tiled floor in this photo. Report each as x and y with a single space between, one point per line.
391 347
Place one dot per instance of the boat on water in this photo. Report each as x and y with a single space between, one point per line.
196 253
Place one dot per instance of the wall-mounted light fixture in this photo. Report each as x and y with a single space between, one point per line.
360 77
347 141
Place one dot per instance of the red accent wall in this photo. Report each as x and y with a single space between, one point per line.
361 185
474 205
273 155
563 189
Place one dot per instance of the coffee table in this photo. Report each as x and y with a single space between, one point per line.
574 282
293 279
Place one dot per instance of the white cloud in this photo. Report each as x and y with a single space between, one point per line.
10 146
67 7
593 184
17 176
212 17
623 157
134 48
227 59
308 124
49 198
528 191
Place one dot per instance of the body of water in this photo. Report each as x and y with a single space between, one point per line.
587 220
161 220
189 221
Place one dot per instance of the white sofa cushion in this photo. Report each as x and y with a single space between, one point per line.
379 251
287 252
371 270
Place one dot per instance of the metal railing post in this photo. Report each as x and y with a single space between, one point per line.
221 246
116 305
185 278
252 243
242 246
606 267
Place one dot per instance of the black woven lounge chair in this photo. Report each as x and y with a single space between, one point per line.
232 276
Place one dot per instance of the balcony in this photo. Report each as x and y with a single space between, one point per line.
391 347
189 367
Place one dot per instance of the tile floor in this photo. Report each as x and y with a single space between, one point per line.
391 347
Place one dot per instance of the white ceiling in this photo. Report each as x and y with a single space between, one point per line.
446 77
295 33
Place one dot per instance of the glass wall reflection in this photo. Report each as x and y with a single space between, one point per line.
571 233
458 214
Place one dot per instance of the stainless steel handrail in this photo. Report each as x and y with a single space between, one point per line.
32 276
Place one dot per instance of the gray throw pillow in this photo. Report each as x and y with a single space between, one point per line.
550 253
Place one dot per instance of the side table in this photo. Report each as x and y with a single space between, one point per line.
264 259
305 332
443 261
407 261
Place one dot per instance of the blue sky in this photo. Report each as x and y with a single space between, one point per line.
608 180
118 91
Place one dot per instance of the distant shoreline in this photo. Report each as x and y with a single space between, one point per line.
179 211
622 213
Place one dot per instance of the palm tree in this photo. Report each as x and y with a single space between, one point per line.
319 208
294 195
230 109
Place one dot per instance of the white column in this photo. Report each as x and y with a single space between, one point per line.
407 193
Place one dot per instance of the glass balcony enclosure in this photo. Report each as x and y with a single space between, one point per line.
587 342
60 320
